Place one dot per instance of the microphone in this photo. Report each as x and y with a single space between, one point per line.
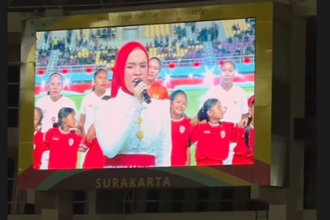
145 94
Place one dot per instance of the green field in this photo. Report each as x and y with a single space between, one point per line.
194 99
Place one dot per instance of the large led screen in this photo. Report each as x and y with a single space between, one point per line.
165 95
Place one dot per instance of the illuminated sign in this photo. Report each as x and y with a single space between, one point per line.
176 92
148 182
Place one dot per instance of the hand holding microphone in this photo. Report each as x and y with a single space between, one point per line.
141 91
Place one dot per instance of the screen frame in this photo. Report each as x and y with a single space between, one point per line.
223 176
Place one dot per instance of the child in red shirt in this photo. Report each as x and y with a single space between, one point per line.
63 142
243 152
94 158
212 138
181 129
38 144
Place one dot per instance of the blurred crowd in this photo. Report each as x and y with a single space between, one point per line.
43 57
179 47
185 42
241 43
92 45
106 34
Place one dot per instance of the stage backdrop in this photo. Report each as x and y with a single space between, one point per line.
199 44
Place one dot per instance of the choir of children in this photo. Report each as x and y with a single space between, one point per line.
57 149
212 138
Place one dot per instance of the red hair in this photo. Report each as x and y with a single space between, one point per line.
118 77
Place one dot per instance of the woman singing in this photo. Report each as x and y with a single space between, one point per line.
53 102
130 132
214 138
156 90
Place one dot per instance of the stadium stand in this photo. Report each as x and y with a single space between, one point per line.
158 30
229 24
240 41
184 41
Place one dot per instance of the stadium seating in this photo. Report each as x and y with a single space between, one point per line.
97 57
152 31
228 25
228 29
188 45
78 35
38 35
87 33
182 25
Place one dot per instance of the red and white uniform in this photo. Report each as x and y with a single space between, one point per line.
244 150
50 110
38 149
250 100
94 158
157 91
212 142
234 102
181 130
63 149
87 108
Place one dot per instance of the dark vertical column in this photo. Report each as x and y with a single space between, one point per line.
292 77
91 202
56 205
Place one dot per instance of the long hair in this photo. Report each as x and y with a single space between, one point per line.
250 118
248 129
208 104
63 113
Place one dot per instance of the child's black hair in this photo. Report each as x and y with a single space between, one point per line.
250 118
63 113
41 114
106 97
176 93
158 60
248 130
51 76
208 104
96 73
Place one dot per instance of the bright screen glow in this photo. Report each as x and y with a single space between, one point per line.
93 88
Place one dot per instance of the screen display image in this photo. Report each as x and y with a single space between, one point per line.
165 95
